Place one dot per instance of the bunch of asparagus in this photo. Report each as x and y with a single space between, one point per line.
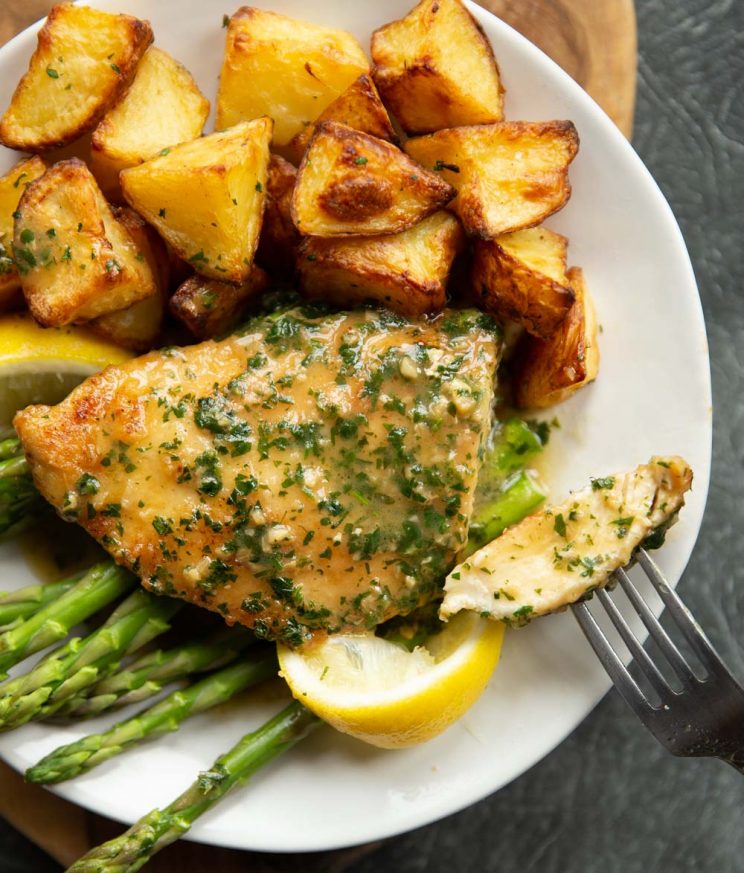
105 670
84 677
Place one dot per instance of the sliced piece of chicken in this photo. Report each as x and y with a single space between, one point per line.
558 555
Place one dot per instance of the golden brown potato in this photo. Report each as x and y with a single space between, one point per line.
138 326
521 277
162 107
406 271
435 68
84 61
12 186
549 371
359 107
284 68
206 197
508 176
209 308
353 184
277 244
75 259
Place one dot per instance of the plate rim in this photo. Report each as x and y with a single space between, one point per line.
230 838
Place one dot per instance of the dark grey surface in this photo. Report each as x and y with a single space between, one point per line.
609 799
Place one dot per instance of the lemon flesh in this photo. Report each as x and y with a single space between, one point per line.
42 365
378 692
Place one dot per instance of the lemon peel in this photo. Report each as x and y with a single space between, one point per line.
42 365
378 692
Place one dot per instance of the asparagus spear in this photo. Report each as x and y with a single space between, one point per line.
511 447
521 494
148 675
14 466
102 584
81 663
134 848
20 502
9 447
16 606
506 492
71 760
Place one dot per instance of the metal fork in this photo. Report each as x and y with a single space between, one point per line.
705 718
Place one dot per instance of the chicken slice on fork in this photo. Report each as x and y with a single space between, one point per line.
561 554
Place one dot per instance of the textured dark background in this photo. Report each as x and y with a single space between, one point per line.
609 799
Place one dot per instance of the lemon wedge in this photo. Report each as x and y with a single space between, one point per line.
42 365
377 691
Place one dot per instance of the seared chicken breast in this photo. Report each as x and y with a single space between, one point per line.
556 556
314 474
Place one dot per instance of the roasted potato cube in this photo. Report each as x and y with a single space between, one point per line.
162 107
435 68
521 277
549 371
406 271
508 176
277 244
206 197
12 186
84 61
359 107
75 259
209 308
353 184
138 326
284 68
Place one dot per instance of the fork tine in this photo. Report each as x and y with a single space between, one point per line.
639 654
618 672
681 614
662 638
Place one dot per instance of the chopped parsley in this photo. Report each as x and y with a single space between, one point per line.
604 483
162 525
559 526
88 484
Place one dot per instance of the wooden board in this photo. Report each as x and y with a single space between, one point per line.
595 42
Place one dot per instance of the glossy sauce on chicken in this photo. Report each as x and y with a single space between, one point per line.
313 474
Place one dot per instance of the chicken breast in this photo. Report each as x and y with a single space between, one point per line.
313 475
556 556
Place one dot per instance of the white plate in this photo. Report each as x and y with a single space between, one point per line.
652 396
